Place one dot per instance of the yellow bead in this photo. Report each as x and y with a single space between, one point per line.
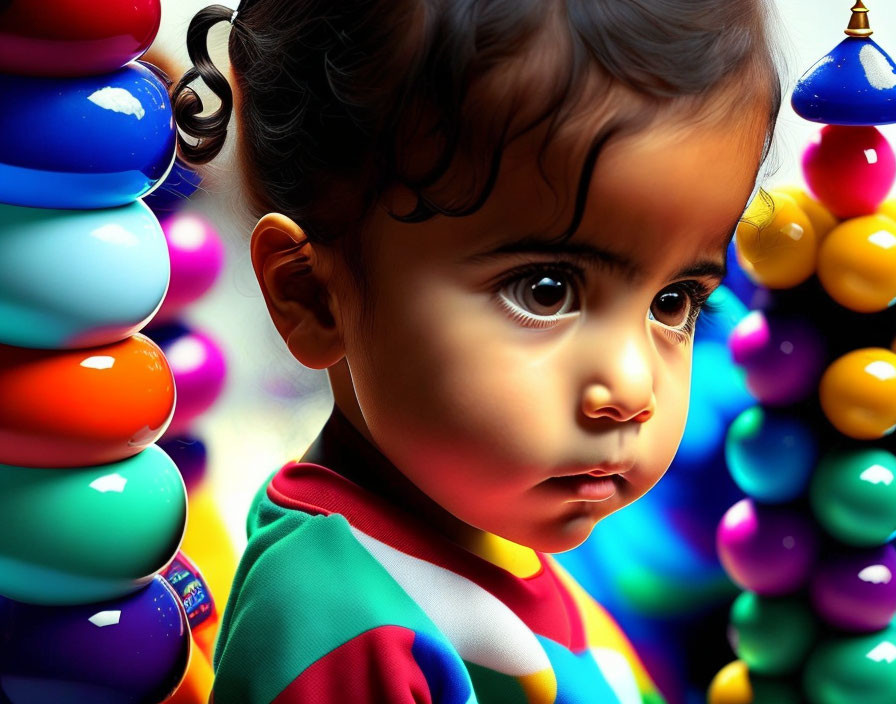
888 208
857 263
731 685
777 248
858 393
822 219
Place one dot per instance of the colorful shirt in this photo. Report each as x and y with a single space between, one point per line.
342 598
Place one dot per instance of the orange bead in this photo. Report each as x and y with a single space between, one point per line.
858 393
777 248
857 263
822 219
75 408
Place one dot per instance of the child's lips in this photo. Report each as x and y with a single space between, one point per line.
605 469
587 486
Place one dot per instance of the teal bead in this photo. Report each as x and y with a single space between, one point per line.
77 536
853 670
770 454
853 496
772 636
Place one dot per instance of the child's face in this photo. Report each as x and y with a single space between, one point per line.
498 376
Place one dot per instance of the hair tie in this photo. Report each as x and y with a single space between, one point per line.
233 16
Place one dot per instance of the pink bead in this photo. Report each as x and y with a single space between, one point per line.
764 549
199 372
849 169
197 256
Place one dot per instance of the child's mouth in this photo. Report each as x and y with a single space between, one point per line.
592 486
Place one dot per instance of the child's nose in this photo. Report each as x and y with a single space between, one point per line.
621 386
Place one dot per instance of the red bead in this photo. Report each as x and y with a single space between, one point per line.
75 38
849 169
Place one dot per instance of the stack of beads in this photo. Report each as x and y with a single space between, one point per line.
198 365
91 511
811 544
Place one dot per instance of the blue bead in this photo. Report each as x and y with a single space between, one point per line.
855 84
173 192
83 143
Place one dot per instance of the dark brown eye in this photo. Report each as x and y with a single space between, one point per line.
540 297
672 307
546 293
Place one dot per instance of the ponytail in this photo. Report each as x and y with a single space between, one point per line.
210 130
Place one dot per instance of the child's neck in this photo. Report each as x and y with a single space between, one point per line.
342 448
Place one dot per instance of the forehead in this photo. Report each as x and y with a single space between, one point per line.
669 182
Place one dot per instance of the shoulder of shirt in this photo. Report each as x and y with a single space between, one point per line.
305 579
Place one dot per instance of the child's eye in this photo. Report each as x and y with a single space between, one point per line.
540 296
677 307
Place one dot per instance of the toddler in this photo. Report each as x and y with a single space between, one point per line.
494 223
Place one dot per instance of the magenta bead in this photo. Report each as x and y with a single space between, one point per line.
783 357
199 371
197 256
849 169
856 591
764 549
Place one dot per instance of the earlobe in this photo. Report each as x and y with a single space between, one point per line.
296 279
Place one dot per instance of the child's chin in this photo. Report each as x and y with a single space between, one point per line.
567 534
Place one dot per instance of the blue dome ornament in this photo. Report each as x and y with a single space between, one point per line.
854 84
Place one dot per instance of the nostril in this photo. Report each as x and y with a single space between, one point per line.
643 416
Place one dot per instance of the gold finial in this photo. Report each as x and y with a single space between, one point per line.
858 23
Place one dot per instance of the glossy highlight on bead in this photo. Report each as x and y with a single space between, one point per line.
46 419
858 393
76 536
854 84
79 278
73 37
82 143
130 649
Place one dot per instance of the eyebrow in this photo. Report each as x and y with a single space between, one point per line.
606 258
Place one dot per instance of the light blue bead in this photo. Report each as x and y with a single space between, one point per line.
79 278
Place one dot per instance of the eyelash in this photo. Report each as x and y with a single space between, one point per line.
698 294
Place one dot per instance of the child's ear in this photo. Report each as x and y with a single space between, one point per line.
296 279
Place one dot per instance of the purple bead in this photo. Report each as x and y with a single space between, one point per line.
190 456
133 649
856 591
764 549
783 357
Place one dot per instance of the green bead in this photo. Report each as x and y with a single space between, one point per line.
853 670
76 536
773 636
853 496
768 690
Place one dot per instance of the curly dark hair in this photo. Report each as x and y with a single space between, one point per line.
334 95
